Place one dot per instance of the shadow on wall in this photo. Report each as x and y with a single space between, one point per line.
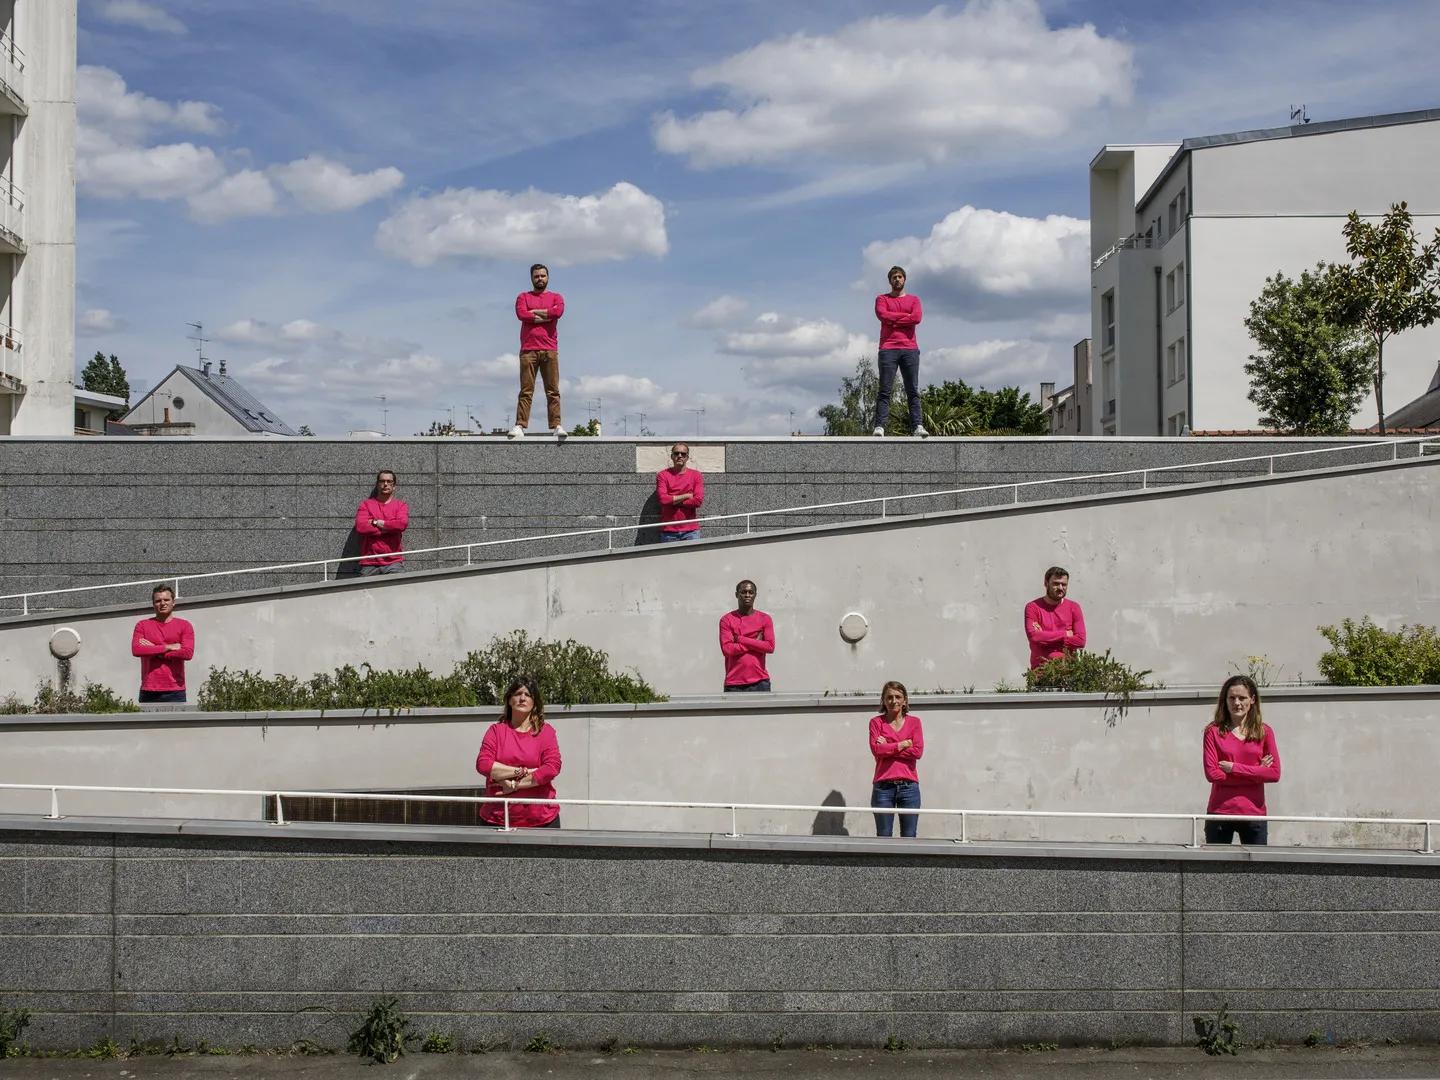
649 515
830 822
351 550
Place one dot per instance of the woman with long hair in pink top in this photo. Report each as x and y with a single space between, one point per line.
896 741
1240 758
520 757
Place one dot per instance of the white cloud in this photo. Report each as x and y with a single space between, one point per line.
558 229
722 311
319 184
782 351
622 393
247 193
901 88
503 367
305 336
988 264
139 13
104 103
107 170
991 364
96 321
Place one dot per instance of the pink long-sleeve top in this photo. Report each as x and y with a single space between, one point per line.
1242 790
898 315
539 335
679 517
1051 642
380 545
162 668
537 751
746 640
892 763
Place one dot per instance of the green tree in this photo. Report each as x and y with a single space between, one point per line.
1312 370
104 376
1389 285
588 429
305 430
957 408
855 412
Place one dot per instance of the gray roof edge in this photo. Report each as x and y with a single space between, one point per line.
1293 131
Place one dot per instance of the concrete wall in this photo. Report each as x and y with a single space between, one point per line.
1019 752
82 512
1181 582
45 171
261 939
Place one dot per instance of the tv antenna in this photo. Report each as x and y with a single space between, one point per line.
698 414
384 415
1299 113
200 342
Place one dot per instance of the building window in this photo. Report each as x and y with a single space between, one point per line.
1170 291
1179 285
1107 320
82 419
1107 375
1175 425
1175 361
1178 211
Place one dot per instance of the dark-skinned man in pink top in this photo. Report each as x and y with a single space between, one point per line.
1054 623
747 636
538 311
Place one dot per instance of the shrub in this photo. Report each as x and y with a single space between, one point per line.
569 673
1084 672
1362 654
49 701
13 1023
382 1035
1218 1036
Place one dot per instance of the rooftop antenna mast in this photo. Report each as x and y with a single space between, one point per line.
200 342
1299 113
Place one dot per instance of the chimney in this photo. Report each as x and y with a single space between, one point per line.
1047 392
205 368
222 365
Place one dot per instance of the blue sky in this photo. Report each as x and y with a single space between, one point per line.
349 195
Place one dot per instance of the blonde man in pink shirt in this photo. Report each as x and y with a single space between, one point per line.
899 313
1054 624
680 490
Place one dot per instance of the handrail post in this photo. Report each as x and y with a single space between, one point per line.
734 822
1017 494
1271 460
747 524
609 541
1195 832
25 604
55 807
505 806
469 550
1144 479
177 588
964 828
1395 451
883 503
279 811
325 571
1429 848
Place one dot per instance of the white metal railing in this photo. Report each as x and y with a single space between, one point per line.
609 531
12 354
12 210
1196 821
1125 243
12 65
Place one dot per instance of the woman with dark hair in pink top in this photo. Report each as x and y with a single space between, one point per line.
896 741
520 756
1240 758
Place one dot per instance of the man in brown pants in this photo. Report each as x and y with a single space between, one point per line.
538 311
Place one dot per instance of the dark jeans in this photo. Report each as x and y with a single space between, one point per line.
554 824
908 361
156 696
674 536
382 568
1251 833
763 686
901 794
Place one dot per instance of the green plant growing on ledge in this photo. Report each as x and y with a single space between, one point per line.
1218 1036
1362 654
382 1035
437 1042
49 701
569 672
1084 672
13 1023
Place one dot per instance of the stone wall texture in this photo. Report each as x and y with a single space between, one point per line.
495 939
86 511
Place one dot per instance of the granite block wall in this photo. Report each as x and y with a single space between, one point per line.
496 939
84 511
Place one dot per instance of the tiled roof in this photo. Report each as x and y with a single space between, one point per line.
244 406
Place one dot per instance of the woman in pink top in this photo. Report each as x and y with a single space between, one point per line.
1240 758
896 741
520 756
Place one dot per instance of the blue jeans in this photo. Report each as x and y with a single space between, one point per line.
763 687
148 697
1251 833
674 536
908 361
903 794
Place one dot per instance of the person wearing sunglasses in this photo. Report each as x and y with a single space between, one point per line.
680 490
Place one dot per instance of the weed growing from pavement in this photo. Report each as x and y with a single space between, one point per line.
540 1043
13 1023
894 1044
383 1033
1220 1035
437 1042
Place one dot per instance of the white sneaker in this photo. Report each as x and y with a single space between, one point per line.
516 432
560 434
921 433
879 433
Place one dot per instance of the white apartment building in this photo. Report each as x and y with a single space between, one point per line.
1183 236
37 217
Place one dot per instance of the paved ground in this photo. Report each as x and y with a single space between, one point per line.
1287 1064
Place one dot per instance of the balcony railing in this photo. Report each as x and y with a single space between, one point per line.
12 66
12 360
12 213
1125 243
